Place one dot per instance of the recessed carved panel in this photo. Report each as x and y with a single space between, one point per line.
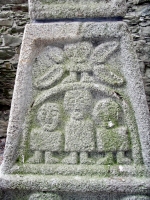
77 118
78 111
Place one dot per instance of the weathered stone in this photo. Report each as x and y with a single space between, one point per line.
28 195
6 53
56 9
13 1
6 22
20 7
17 29
145 10
0 41
3 125
147 72
5 14
141 19
12 41
42 196
79 84
138 197
139 15
9 55
145 31
140 1
147 23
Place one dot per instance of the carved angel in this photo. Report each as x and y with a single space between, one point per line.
103 71
50 66
82 61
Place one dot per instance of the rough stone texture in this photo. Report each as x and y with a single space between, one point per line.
44 196
100 93
56 9
13 1
138 20
80 188
138 197
13 17
2 145
28 195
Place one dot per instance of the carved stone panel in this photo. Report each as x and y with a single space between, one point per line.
80 125
69 9
79 108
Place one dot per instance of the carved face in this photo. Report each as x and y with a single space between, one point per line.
48 114
106 113
78 103
78 52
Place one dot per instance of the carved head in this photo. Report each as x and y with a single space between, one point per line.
78 103
78 52
106 113
48 115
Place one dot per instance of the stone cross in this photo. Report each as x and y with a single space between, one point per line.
79 126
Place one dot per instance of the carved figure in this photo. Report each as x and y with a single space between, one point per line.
77 64
81 60
79 133
82 57
45 138
102 71
112 138
48 67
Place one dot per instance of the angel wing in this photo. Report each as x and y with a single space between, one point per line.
102 52
108 75
48 67
49 77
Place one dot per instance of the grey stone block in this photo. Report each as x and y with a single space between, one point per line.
40 196
80 85
6 22
60 9
12 41
6 52
13 1
137 197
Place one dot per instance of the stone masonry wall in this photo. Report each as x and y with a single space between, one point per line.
14 16
138 20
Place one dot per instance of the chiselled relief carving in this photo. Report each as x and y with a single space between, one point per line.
77 56
80 106
102 71
46 139
51 68
79 129
111 136
80 60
